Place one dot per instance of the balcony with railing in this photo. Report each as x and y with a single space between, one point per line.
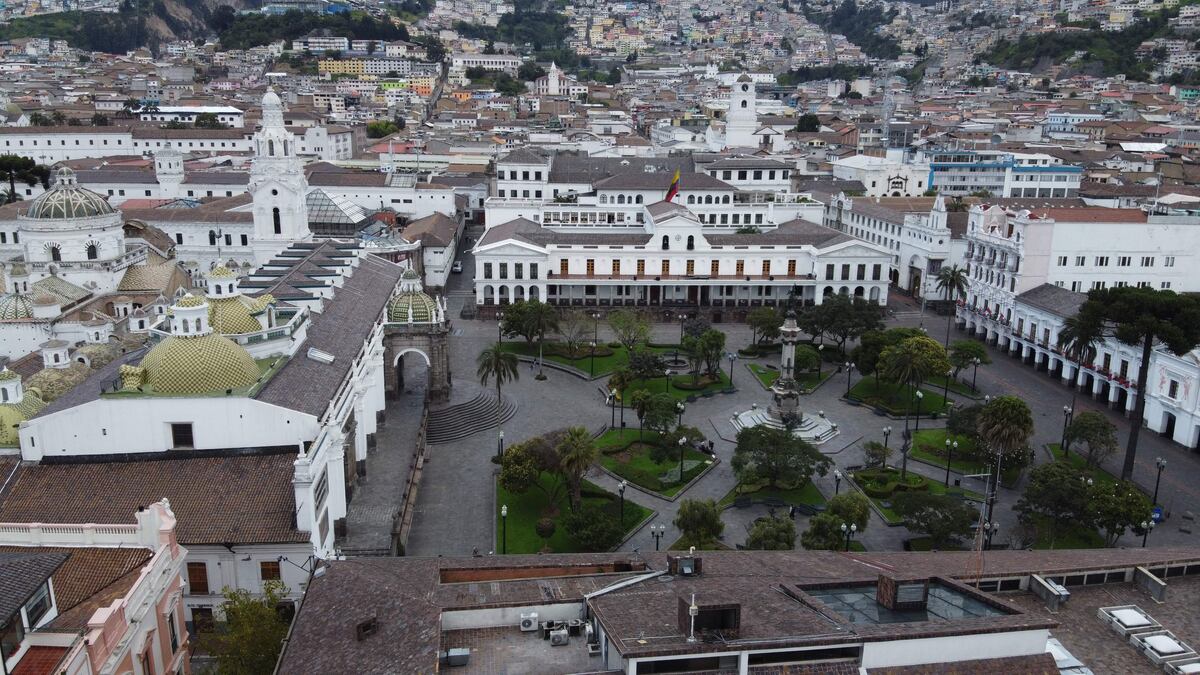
133 256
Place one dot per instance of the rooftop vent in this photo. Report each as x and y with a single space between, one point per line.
320 356
684 566
366 628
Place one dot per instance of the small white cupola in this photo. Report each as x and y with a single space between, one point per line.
222 283
56 354
189 316
11 390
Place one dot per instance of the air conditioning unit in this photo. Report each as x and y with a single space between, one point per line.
559 637
529 622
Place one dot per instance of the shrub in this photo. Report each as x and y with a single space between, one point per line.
593 529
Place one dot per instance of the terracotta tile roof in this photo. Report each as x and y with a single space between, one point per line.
39 660
85 573
242 499
21 574
1034 664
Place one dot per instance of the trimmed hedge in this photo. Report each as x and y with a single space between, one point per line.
869 481
685 383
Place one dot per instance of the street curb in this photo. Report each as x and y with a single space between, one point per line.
871 502
633 533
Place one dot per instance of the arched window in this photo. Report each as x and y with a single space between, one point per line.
745 104
55 358
620 199
92 252
603 199
4 395
637 199
218 290
707 199
275 219
691 245
666 242
55 254
212 238
691 199
197 324
271 144
725 199
185 327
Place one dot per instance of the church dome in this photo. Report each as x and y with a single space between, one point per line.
221 272
12 414
15 306
236 314
66 200
198 364
411 304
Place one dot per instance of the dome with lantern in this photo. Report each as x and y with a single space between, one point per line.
193 360
229 311
16 405
15 307
411 304
66 200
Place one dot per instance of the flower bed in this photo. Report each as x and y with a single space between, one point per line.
624 455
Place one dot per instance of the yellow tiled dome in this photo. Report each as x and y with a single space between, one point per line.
12 414
233 315
199 364
221 272
190 300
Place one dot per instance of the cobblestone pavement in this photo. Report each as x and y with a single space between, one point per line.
456 505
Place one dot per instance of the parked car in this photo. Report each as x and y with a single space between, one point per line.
456 267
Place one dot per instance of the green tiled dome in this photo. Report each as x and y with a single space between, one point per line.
422 306
12 414
15 306
65 200
198 364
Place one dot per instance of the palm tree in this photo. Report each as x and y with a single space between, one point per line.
540 318
1078 340
952 282
904 366
495 363
1005 425
576 453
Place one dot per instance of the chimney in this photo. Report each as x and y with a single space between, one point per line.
897 593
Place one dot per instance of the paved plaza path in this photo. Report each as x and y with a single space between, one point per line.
456 503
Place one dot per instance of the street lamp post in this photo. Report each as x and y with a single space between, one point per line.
612 405
592 363
1161 464
989 529
848 531
974 374
820 348
682 445
732 357
1067 412
657 531
1147 525
920 396
500 327
946 389
904 461
500 445
504 529
887 431
849 367
951 446
682 319
837 482
667 381
621 489
679 409
595 339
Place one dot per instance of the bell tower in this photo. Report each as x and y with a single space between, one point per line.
168 169
277 184
742 119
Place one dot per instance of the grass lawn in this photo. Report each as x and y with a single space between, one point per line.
880 484
894 397
805 494
524 510
1067 535
929 445
622 454
1079 462
939 383
926 544
767 376
681 386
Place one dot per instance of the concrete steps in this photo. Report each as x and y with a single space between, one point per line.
459 421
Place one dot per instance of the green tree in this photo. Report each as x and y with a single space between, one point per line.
15 168
1143 318
1095 430
575 328
1117 507
208 121
99 120
253 634
694 355
866 355
842 318
381 128
514 323
1005 426
576 454
700 522
630 327
912 362
538 319
777 457
964 352
772 534
640 401
174 124
530 71
764 323
1056 493
804 359
808 123
500 366
593 529
39 119
711 345
877 453
942 518
825 529
523 465
952 282
545 529
965 422
646 363
660 413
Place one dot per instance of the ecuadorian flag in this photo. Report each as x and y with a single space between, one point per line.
674 189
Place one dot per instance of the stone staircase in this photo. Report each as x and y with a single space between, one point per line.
813 429
459 421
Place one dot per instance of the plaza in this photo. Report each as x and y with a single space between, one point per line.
456 511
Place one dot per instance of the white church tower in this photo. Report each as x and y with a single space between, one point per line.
277 184
168 169
742 119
